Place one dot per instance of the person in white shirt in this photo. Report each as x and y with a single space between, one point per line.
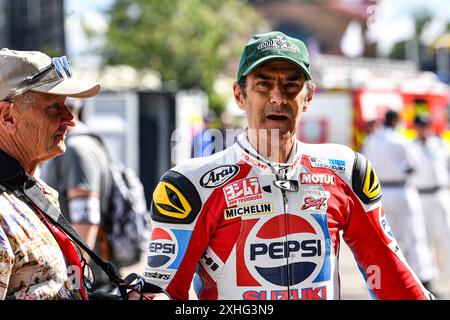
394 157
432 179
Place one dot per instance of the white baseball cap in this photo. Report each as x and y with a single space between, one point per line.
21 71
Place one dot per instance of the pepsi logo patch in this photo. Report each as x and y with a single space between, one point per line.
285 256
167 247
244 190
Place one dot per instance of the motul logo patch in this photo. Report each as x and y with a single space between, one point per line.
317 178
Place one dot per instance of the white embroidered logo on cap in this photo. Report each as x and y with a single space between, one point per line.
279 43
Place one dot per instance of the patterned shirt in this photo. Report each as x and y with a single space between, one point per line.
32 265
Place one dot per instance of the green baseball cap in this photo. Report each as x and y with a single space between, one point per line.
273 45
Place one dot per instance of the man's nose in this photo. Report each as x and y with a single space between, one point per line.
67 117
277 96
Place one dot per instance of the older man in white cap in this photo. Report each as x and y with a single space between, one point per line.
37 259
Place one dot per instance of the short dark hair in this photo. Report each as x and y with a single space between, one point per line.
422 120
390 117
243 85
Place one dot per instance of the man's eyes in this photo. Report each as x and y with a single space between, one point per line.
263 83
289 84
54 107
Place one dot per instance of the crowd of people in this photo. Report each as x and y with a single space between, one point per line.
415 177
260 220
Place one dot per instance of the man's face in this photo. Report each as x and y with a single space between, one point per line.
276 95
42 124
423 131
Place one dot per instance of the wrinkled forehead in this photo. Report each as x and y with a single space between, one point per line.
280 66
39 99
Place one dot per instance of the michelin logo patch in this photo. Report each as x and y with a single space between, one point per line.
257 208
333 164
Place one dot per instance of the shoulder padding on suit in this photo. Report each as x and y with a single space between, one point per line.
175 199
365 182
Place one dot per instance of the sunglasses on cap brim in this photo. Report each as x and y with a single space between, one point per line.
56 71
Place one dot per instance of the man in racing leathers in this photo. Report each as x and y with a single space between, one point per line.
261 219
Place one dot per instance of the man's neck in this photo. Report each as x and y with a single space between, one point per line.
272 147
15 152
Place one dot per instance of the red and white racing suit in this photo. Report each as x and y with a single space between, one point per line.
250 229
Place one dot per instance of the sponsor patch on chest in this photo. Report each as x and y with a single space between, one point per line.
252 209
333 164
315 200
244 190
318 178
271 250
218 176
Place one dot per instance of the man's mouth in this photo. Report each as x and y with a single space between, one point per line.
277 117
61 134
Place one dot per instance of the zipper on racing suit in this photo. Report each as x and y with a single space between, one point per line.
285 199
285 210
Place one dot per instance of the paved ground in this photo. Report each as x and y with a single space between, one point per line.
352 283
353 286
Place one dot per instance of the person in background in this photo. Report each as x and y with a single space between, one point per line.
206 142
82 178
394 157
432 179
37 258
213 138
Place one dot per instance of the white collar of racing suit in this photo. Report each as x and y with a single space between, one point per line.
252 157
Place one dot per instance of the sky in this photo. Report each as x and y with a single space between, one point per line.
391 19
388 23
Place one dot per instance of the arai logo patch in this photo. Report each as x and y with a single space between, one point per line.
218 176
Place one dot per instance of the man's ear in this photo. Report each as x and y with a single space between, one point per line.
309 95
8 117
238 95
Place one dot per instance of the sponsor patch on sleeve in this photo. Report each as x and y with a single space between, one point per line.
167 248
175 200
365 182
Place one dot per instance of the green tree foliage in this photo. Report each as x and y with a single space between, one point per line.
189 42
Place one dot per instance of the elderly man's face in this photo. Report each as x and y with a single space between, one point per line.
276 95
43 123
